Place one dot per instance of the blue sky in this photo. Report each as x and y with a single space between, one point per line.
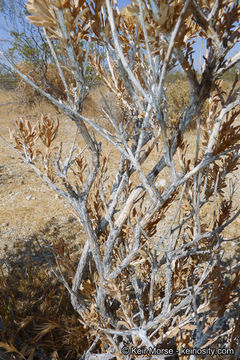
122 3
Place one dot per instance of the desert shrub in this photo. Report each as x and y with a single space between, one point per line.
177 93
48 78
29 94
7 80
147 277
49 81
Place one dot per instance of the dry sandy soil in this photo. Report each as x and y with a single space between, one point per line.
27 206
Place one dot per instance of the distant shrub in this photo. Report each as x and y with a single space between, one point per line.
7 79
49 80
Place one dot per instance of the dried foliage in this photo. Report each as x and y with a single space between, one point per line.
148 275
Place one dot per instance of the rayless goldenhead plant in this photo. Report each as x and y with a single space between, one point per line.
152 280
